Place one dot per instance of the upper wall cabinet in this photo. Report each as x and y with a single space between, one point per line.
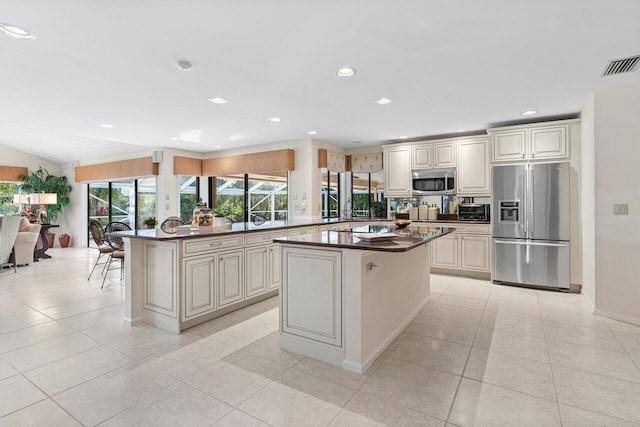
531 142
474 167
427 155
397 171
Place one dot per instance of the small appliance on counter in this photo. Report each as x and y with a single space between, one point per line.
473 212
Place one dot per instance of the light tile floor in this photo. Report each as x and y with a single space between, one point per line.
478 354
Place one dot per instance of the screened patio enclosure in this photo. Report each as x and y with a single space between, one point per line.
266 198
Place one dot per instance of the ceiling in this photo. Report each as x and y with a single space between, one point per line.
445 64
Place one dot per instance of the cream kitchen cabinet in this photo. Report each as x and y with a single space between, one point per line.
475 253
465 250
200 290
230 283
444 154
256 270
428 155
421 156
530 142
273 280
397 171
474 167
444 252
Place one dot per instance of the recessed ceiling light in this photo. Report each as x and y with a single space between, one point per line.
383 101
16 32
275 119
461 130
313 132
346 72
357 142
529 112
106 125
184 65
174 138
217 100
217 146
403 137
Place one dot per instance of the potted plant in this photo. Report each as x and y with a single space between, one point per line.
219 214
41 181
150 222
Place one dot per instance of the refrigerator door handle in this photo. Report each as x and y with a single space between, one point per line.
525 214
510 242
532 200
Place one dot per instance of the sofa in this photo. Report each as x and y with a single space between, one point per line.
26 241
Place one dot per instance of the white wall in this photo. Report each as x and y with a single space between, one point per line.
617 176
11 157
588 200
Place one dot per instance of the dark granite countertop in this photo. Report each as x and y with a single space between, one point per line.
248 227
406 240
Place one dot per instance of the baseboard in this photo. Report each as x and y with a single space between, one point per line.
619 317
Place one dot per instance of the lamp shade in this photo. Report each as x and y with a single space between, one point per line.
34 198
48 198
22 199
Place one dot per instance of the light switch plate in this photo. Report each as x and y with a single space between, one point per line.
620 209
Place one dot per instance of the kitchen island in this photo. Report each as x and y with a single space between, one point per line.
344 299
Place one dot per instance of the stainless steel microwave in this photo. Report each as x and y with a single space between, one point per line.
434 182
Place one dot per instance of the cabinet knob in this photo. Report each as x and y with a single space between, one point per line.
523 155
533 155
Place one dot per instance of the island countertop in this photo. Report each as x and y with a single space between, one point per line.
406 240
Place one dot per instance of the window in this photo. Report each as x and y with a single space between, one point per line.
254 198
368 199
230 196
128 201
267 198
7 190
330 194
189 191
146 199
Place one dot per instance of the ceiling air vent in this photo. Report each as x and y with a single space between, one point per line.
619 66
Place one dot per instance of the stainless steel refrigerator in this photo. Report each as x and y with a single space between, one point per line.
530 224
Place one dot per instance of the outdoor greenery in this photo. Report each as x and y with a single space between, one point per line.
7 190
41 181
150 221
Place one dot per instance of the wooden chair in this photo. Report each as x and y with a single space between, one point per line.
97 233
118 247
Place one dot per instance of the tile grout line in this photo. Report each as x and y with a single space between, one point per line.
553 377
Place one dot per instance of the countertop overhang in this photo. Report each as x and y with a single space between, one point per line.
405 241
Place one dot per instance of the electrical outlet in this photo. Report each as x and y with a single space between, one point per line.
295 196
304 196
620 209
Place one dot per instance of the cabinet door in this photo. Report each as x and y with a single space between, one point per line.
549 142
421 156
444 154
274 267
475 253
509 145
444 252
397 171
474 174
199 282
255 271
230 287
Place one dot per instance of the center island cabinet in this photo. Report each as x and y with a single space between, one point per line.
343 299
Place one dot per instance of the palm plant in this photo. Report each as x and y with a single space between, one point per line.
41 181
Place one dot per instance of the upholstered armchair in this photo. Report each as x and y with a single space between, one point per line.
26 241
8 233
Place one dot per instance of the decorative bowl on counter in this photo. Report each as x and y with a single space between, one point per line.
403 223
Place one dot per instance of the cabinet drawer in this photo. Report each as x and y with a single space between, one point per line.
252 239
212 244
468 228
302 230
